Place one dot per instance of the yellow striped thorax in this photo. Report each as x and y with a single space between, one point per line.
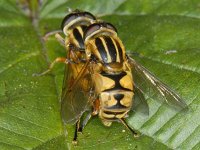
103 44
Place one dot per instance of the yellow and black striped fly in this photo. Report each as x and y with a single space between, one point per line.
100 78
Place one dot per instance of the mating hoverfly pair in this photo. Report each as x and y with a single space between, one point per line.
100 78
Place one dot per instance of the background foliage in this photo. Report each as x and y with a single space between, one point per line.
165 33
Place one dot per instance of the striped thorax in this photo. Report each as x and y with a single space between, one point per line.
101 40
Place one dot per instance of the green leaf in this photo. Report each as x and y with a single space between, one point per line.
165 34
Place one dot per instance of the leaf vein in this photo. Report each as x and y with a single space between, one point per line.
22 119
18 60
22 134
11 145
173 65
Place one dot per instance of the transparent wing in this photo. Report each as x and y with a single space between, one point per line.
153 87
74 101
139 103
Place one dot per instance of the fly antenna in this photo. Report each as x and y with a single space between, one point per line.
69 10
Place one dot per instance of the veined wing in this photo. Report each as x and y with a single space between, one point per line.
74 101
139 102
153 87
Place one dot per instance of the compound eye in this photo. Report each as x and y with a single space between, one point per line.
91 29
68 19
96 26
74 15
110 26
89 15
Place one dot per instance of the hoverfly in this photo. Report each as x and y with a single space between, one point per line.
100 77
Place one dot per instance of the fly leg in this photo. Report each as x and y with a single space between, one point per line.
59 38
80 126
84 122
89 115
57 60
76 133
135 134
47 35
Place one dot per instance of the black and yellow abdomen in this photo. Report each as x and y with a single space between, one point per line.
115 93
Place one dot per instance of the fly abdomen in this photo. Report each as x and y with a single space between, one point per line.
113 116
115 104
123 81
115 94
